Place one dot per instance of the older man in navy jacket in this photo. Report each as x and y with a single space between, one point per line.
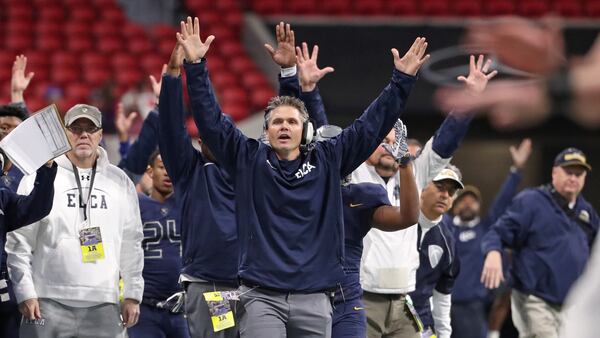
550 230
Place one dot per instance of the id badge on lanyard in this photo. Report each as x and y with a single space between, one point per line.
220 310
90 238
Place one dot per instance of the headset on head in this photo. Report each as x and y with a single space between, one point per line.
308 131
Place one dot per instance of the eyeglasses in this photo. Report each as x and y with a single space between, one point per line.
78 130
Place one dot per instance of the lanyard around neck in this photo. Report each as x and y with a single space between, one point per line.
78 180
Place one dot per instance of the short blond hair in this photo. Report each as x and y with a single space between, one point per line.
278 101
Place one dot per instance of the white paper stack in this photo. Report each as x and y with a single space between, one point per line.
36 140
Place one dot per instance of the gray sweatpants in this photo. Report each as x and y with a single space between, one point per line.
61 321
274 314
198 315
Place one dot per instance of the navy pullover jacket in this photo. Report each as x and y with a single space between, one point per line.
18 210
468 284
138 154
204 193
550 249
289 213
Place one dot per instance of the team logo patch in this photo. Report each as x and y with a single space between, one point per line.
435 254
164 211
466 236
584 216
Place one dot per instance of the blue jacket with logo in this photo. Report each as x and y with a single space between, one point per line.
289 213
550 249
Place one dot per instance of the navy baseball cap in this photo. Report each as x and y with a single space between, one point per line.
572 157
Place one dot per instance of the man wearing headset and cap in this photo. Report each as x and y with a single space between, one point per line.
551 230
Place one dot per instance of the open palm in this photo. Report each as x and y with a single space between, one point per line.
478 76
413 59
189 38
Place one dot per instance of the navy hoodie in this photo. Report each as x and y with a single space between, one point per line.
204 194
289 213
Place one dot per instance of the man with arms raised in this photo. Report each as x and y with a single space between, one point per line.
289 205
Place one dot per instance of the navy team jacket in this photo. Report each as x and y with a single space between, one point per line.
289 213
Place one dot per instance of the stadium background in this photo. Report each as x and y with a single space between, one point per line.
95 51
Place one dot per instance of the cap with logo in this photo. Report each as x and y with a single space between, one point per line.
449 174
83 111
572 157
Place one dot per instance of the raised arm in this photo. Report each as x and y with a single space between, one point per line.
173 139
285 58
20 210
365 134
220 134
310 74
509 188
389 218
19 81
138 153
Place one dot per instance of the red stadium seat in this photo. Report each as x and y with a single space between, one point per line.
568 8
435 7
152 64
227 5
268 7
110 45
49 43
104 29
60 59
336 7
19 42
46 28
64 74
369 7
83 13
592 8
499 7
122 61
233 95
92 59
79 44
236 111
253 79
260 97
161 32
96 76
132 31
533 8
51 13
401 7
234 19
34 104
77 92
112 15
17 27
129 77
21 12
140 46
76 28
223 79
467 8
241 65
302 6
231 48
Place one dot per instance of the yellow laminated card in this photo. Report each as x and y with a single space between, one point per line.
220 311
90 240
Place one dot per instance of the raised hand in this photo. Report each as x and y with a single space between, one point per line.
157 83
521 154
413 59
123 123
308 71
477 79
19 81
189 39
284 55
400 149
